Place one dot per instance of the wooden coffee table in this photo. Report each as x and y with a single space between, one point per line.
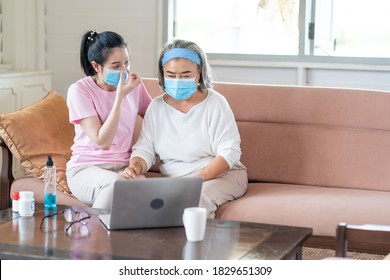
21 238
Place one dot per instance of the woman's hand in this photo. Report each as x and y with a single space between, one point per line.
136 168
125 87
133 171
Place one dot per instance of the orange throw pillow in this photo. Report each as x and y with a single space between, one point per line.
39 130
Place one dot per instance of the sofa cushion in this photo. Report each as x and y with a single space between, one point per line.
34 184
289 204
39 130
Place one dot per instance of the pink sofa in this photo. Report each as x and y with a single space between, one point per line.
315 157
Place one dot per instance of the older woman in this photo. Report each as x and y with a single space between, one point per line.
192 128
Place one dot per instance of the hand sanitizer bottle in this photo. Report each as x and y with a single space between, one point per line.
49 182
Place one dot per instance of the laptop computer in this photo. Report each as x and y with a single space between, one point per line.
151 202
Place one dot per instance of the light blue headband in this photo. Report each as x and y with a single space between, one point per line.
181 53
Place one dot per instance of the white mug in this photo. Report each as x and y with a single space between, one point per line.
194 220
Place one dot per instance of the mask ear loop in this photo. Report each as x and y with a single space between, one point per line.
200 77
101 68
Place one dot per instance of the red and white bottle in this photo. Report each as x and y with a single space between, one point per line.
15 202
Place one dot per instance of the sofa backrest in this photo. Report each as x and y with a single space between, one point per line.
312 136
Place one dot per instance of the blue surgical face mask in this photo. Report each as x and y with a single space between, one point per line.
180 89
113 76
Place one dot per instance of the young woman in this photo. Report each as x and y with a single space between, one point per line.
103 106
192 128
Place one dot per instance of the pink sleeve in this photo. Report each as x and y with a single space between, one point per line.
144 100
80 104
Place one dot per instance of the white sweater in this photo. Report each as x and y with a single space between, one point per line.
188 142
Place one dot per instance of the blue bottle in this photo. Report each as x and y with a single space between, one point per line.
49 182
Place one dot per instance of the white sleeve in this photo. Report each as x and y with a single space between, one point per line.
144 147
225 137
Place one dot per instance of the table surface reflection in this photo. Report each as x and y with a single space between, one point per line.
22 238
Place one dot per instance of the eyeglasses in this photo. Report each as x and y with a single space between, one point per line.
71 216
77 231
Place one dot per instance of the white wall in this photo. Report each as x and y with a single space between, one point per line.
66 22
375 77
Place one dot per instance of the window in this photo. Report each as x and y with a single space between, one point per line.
354 28
236 26
331 28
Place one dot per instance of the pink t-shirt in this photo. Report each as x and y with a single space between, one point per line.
86 99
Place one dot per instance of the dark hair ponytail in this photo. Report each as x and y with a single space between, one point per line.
97 47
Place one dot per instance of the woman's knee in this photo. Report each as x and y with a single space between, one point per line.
221 190
89 183
103 197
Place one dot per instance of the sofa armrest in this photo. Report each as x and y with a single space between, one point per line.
6 176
